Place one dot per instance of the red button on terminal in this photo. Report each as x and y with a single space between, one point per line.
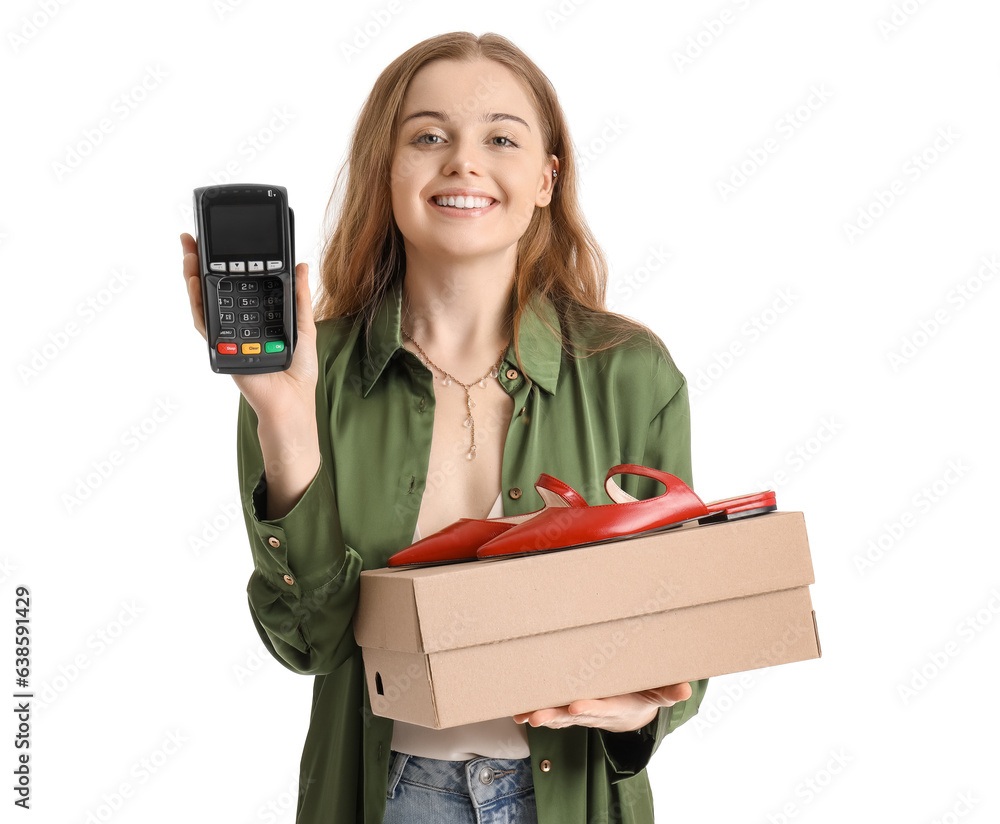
226 348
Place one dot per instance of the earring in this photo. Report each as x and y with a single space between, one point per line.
555 174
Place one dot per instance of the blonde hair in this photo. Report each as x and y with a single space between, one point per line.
557 257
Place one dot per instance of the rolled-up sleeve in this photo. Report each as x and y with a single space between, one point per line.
304 586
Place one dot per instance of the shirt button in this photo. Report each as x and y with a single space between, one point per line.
289 580
511 374
274 542
515 492
546 765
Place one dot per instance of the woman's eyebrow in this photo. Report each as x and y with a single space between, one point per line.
493 117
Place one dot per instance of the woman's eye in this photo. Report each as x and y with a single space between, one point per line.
430 139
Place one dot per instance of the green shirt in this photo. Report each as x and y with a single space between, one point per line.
573 418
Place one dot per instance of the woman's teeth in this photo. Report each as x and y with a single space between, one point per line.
461 202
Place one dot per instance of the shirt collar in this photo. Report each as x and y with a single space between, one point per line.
541 349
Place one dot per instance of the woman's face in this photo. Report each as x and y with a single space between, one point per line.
468 136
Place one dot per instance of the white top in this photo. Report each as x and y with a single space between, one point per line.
499 738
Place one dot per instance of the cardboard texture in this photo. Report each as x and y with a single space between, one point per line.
460 643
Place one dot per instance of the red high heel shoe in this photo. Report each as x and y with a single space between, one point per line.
626 517
460 540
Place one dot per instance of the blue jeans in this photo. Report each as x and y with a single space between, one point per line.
480 791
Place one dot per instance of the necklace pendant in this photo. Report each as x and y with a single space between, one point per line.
447 380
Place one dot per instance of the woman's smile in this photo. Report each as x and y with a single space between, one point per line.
463 203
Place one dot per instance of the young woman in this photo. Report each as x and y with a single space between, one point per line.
462 350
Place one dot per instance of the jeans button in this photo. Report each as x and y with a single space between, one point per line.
486 775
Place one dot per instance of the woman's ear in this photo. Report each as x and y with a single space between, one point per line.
549 178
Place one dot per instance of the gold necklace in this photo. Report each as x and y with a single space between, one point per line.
447 379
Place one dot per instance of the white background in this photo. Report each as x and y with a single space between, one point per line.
860 379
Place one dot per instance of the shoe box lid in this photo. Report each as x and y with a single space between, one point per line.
453 606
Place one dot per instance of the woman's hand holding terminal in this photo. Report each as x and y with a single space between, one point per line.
285 402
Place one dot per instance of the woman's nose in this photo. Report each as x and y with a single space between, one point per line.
462 158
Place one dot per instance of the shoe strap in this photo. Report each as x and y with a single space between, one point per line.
557 493
620 496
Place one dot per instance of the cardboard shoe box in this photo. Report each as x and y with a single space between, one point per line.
460 643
